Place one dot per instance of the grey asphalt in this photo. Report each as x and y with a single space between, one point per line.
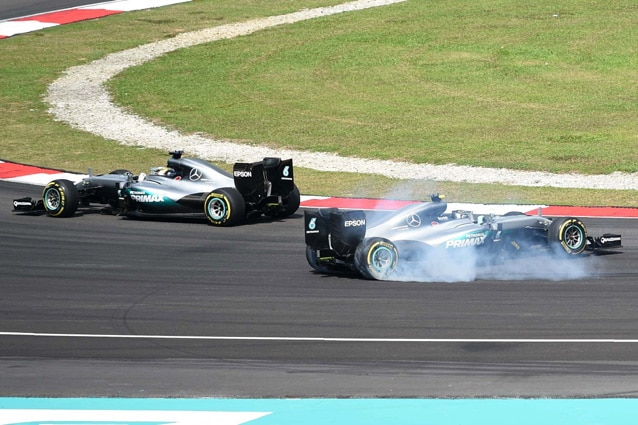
104 276
10 9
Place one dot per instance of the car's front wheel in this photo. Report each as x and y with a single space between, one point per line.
376 258
567 236
224 207
60 198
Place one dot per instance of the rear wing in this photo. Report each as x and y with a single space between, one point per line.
336 230
280 174
272 176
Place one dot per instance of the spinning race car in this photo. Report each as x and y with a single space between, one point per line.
185 187
343 240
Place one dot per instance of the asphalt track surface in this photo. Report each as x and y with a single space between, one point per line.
237 312
17 8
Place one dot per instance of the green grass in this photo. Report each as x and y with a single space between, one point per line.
535 86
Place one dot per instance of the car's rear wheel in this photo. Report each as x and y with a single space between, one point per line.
291 203
60 198
376 258
567 236
224 207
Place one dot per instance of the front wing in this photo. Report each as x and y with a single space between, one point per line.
28 205
604 242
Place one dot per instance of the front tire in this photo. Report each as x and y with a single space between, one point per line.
376 258
224 207
567 236
60 198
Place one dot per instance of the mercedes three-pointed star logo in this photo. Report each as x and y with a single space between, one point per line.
195 174
413 220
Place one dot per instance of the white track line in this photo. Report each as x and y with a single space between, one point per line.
329 339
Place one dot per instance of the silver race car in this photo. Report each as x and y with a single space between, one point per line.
185 187
347 240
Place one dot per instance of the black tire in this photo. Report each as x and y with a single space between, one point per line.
292 202
567 236
60 198
288 207
376 258
225 207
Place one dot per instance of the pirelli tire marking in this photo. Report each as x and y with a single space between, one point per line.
570 233
224 207
218 209
382 256
54 198
376 258
573 237
60 198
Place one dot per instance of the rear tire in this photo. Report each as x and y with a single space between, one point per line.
376 258
291 203
60 198
225 207
288 207
567 236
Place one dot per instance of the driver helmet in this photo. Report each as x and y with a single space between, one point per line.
163 171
